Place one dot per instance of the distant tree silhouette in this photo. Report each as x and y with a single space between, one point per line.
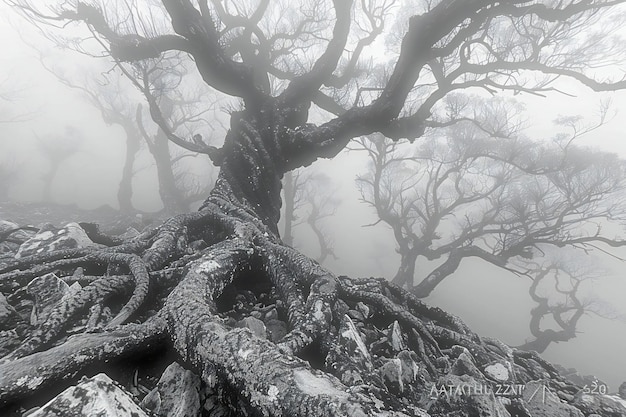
478 190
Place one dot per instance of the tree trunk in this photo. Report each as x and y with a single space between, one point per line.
125 190
428 284
171 196
406 270
290 198
49 180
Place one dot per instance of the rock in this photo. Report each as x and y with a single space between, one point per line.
464 365
498 372
9 340
48 290
622 391
541 401
255 325
177 394
212 396
356 315
410 370
605 405
277 329
391 373
394 335
11 239
272 314
363 309
8 315
49 239
130 233
349 358
398 373
97 396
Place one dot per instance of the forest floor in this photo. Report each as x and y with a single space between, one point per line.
141 376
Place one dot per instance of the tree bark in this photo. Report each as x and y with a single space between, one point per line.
290 198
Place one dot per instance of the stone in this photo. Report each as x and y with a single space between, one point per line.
541 401
409 369
363 309
47 290
9 340
50 238
603 404
177 394
8 315
394 335
11 240
277 329
356 315
391 373
255 325
97 396
130 233
349 359
272 314
498 371
464 365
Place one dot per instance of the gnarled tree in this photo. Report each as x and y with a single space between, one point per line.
476 189
557 289
280 72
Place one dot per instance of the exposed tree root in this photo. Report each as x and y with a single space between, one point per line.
186 266
26 375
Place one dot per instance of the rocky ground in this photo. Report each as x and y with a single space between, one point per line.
461 380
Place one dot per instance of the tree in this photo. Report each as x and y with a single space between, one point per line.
556 291
114 106
279 72
481 191
309 198
157 81
9 173
58 150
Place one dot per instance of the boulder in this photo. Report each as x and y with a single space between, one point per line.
177 394
47 290
255 325
11 237
50 238
97 396
349 358
603 404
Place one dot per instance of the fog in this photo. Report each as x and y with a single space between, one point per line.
494 302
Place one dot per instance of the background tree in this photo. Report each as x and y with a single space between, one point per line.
9 172
160 81
560 301
309 198
116 109
278 68
479 191
58 150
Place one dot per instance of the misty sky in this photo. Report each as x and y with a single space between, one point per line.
492 301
